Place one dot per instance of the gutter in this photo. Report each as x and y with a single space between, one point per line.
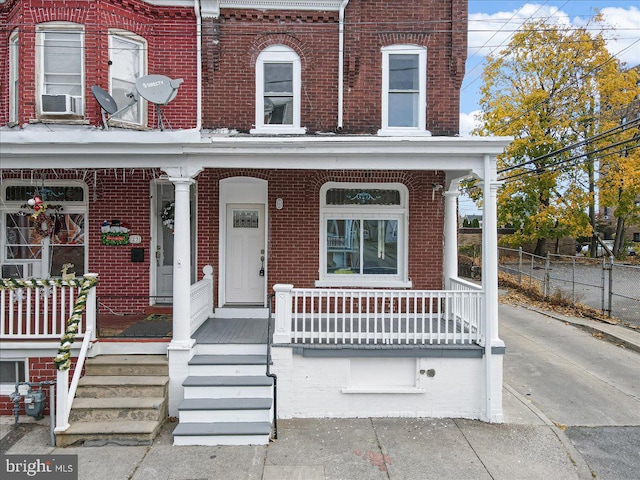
343 6
196 6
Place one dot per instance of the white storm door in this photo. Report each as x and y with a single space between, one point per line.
164 247
245 255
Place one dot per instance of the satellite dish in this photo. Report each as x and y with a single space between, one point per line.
105 100
158 89
108 104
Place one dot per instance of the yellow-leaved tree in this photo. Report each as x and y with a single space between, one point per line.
553 89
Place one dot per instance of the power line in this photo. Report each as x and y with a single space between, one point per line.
596 137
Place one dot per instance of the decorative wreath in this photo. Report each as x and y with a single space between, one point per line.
43 225
168 215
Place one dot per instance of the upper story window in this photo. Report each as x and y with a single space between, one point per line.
363 235
278 91
127 57
404 85
13 77
61 62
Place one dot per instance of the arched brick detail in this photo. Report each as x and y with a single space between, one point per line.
400 38
269 39
410 179
253 173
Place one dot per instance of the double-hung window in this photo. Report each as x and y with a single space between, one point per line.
363 235
278 91
40 246
404 84
13 77
127 62
61 70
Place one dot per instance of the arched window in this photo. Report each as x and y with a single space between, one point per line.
278 91
61 63
127 55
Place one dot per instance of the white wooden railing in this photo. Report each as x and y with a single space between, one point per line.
465 311
39 312
202 299
83 307
378 317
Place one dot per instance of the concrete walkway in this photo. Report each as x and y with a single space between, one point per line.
526 446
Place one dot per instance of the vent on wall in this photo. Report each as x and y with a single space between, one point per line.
61 105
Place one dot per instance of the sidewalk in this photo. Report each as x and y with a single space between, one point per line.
526 446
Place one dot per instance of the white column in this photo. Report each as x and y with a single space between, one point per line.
180 348
181 264
493 373
450 235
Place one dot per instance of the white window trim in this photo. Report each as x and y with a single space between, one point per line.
8 388
57 27
141 43
14 58
421 129
381 212
278 54
69 208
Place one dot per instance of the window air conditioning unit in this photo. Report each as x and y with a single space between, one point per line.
61 105
17 270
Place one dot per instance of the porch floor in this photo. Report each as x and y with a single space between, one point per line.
232 330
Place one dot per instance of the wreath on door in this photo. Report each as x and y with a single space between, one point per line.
168 215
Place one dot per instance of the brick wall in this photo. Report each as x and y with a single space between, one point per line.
293 232
169 31
40 369
232 43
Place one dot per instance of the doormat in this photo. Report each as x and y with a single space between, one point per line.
154 325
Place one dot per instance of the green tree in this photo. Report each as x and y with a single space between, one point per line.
549 89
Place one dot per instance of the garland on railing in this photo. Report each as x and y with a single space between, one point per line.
63 359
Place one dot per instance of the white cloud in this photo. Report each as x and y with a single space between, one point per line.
468 122
490 33
620 42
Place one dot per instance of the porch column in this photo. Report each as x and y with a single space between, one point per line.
493 373
181 264
450 234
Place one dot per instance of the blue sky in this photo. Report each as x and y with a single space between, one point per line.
491 22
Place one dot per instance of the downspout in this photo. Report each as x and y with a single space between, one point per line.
196 6
343 6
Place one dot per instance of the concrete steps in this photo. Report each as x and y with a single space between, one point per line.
121 399
227 399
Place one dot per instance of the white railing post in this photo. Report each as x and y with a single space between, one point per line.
282 330
90 310
62 400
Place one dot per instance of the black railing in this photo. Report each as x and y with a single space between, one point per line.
269 374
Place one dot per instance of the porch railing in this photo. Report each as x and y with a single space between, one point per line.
84 305
378 317
202 299
38 309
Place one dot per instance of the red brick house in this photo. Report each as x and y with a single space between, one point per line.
306 169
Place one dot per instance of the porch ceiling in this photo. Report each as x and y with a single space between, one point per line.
76 148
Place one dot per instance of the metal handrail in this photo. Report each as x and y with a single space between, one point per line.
269 374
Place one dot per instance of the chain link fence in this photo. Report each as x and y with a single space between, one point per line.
599 283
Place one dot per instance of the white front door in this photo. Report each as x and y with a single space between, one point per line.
164 245
245 254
